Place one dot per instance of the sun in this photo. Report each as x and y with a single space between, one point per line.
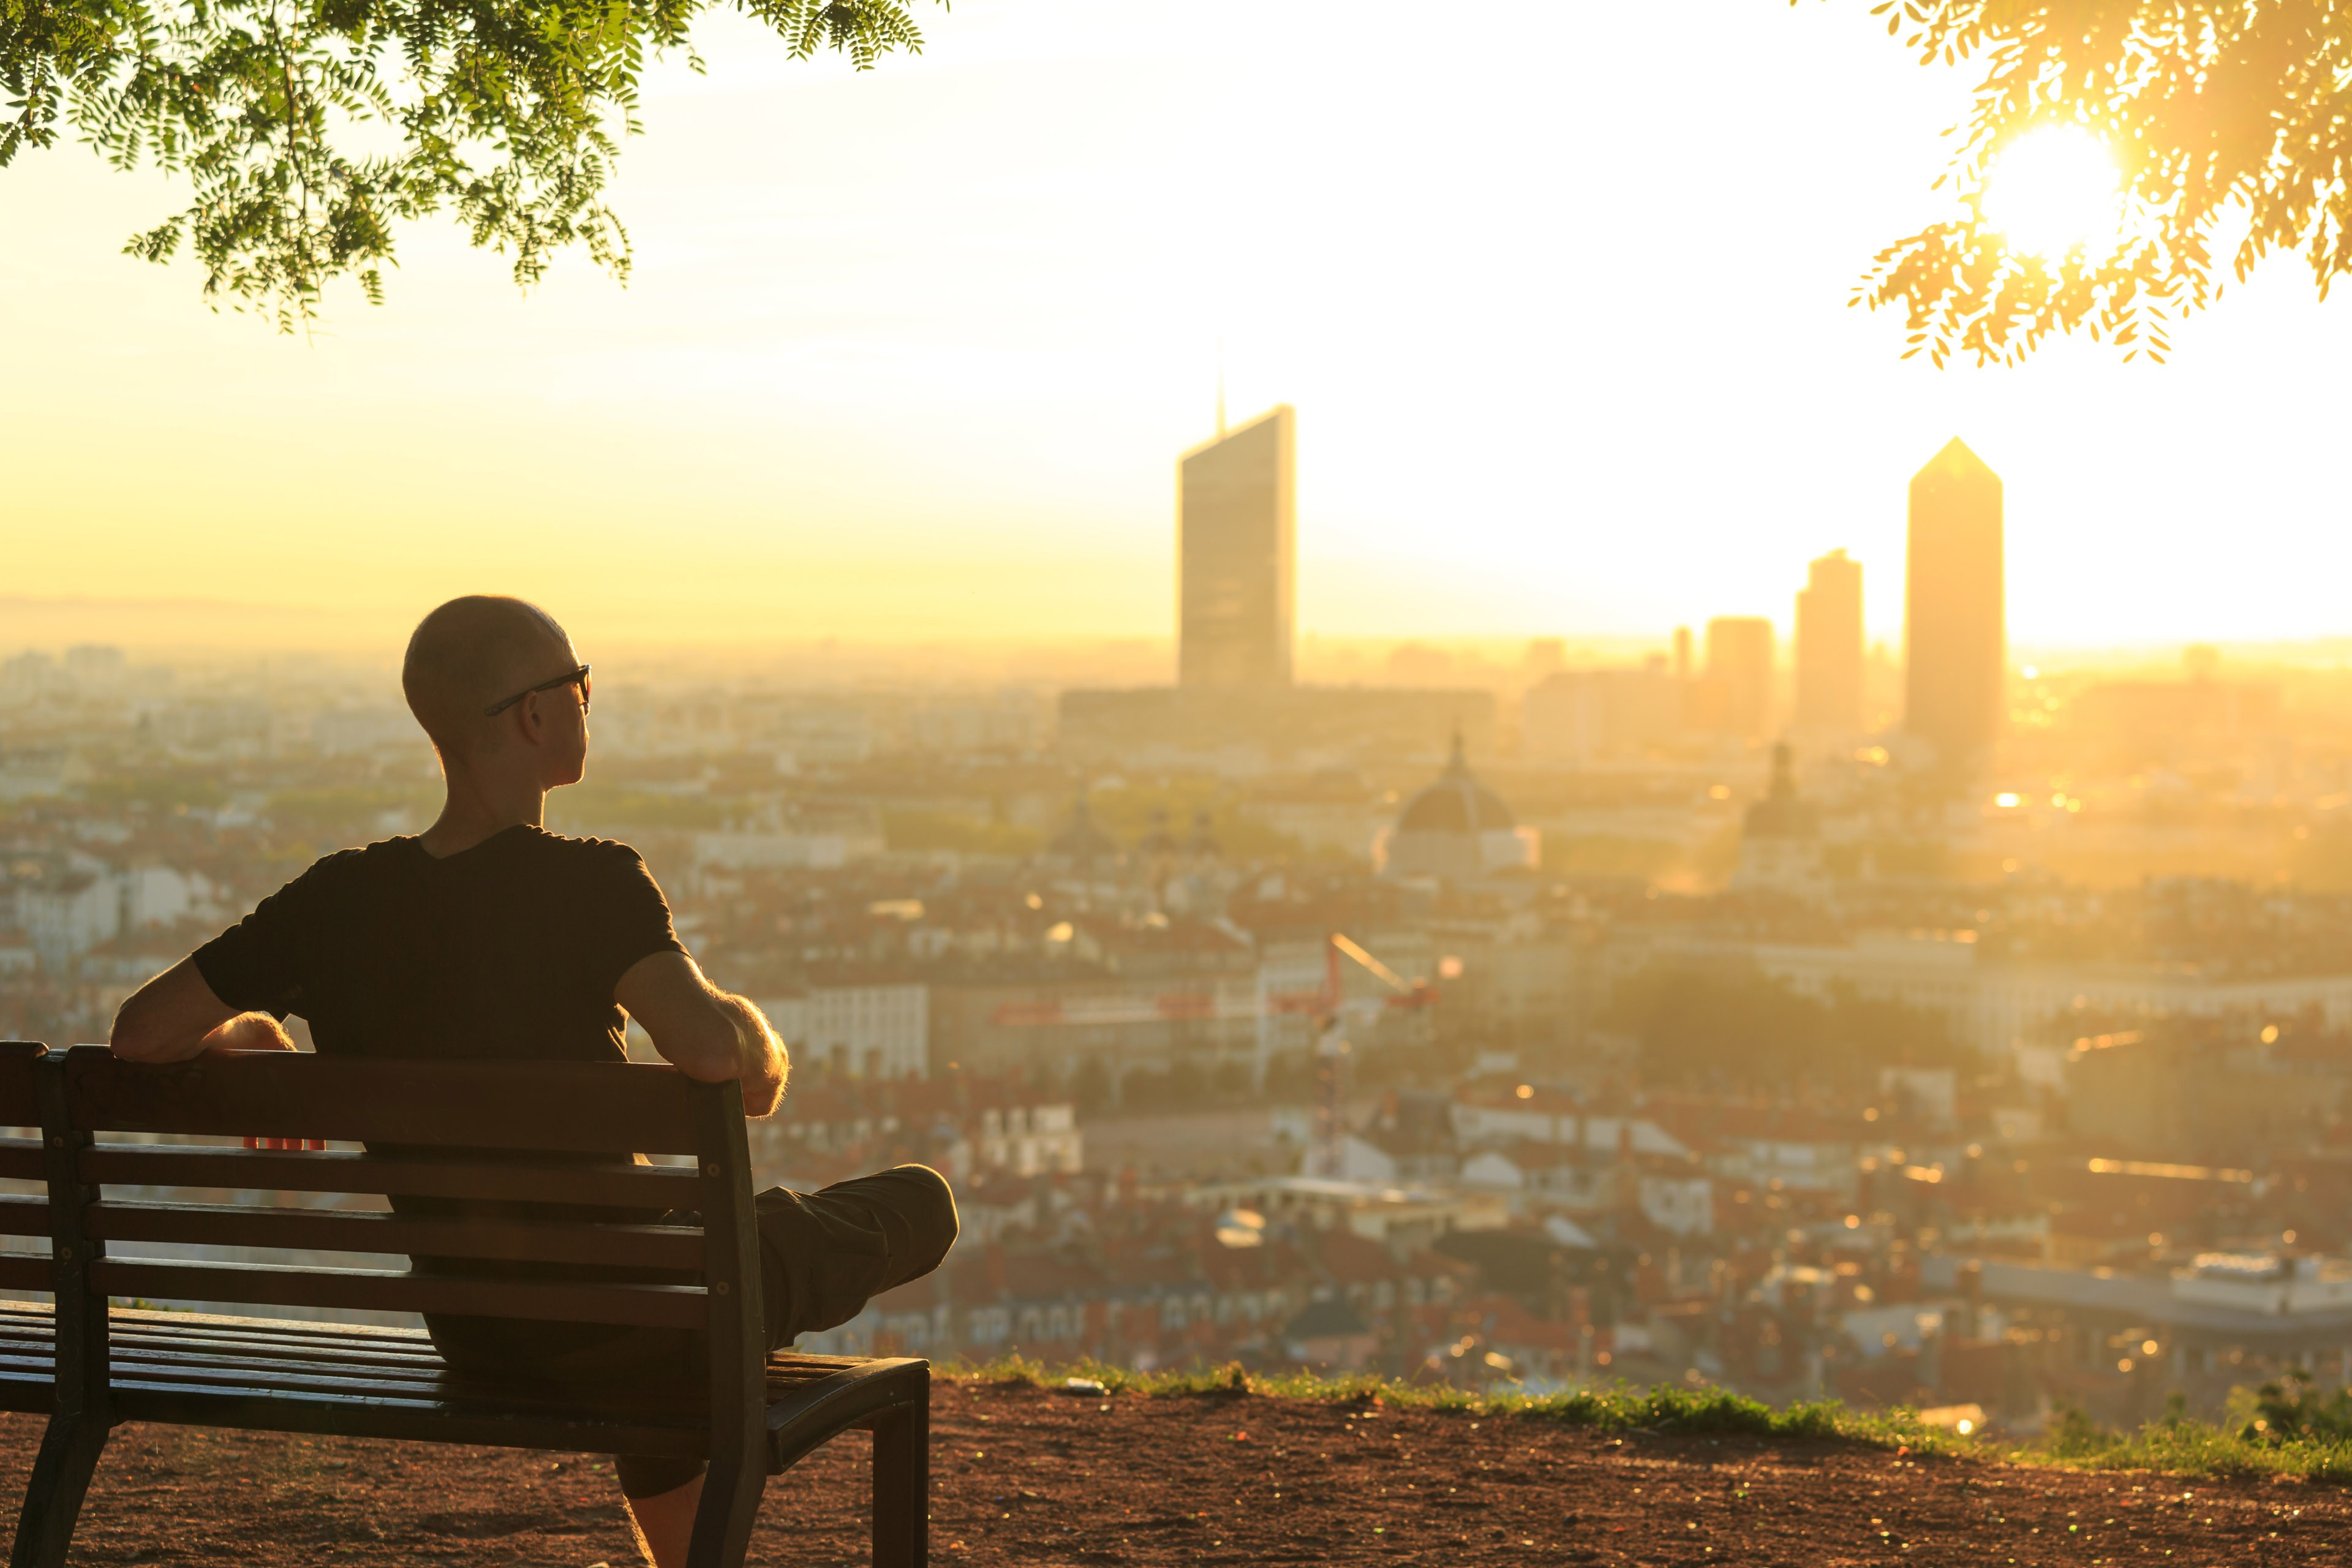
2052 189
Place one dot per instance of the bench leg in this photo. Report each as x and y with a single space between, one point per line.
731 1506
902 1487
70 1451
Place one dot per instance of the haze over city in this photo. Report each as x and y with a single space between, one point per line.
904 358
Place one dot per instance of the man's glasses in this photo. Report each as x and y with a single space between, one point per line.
569 678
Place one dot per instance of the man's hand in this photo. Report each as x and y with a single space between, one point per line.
765 1063
249 1032
707 1034
259 1032
175 1017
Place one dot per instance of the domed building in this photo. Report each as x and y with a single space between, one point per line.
1203 848
1081 846
1456 830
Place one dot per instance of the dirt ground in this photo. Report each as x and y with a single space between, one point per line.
1028 1478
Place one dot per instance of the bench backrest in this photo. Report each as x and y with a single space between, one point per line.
25 1160
455 1127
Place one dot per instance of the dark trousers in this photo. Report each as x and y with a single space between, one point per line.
823 1255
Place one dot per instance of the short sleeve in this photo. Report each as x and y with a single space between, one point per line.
630 919
255 966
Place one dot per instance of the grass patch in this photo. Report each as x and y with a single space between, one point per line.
2197 1448
2276 1430
1666 1408
2267 1435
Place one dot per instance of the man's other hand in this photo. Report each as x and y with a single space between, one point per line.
701 1030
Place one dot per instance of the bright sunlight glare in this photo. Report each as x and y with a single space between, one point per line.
2052 189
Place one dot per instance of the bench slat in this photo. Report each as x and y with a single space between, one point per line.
21 1159
20 1102
23 1271
450 1390
581 1107
655 1187
418 1420
24 1216
652 1306
206 1328
330 1230
28 1396
175 1352
399 1355
437 1384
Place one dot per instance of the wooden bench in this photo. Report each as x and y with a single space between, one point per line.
88 1365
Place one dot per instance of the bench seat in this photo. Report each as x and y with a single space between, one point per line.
279 1375
28 1359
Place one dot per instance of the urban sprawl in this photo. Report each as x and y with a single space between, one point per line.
1902 1025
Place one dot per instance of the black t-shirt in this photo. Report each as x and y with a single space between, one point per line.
510 949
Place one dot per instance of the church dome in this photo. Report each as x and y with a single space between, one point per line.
1456 829
1203 844
1159 844
1457 803
1081 839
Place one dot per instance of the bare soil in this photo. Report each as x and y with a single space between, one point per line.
1025 1477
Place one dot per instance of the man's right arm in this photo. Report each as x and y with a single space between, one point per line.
707 1034
175 1016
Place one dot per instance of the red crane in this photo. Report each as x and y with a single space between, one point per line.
1328 1007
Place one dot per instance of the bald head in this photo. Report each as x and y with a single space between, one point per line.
473 652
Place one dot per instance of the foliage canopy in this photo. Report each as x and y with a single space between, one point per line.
2230 124
508 112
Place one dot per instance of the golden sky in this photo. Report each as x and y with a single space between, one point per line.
911 355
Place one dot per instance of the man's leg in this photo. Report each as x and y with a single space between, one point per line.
823 1254
662 1495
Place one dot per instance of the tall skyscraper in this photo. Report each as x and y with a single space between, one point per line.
1237 583
1954 629
1739 665
1829 646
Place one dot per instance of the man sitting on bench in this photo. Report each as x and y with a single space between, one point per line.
488 936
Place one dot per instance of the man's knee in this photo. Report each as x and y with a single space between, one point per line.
929 1206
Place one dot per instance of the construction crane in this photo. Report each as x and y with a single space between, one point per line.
1334 1055
1327 1008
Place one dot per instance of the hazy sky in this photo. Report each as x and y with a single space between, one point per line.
911 355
